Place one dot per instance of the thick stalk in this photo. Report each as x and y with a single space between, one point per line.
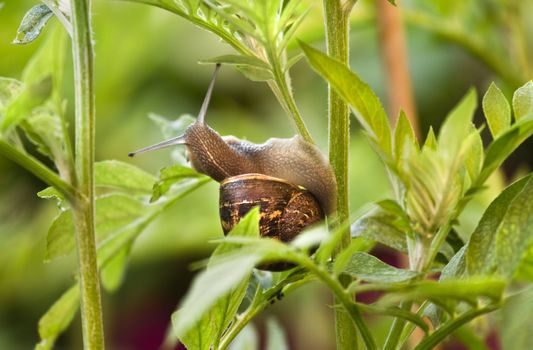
82 48
336 18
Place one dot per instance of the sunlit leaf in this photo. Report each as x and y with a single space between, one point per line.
523 101
357 93
473 158
170 176
457 125
504 145
113 212
208 287
214 322
52 193
58 318
116 174
32 24
405 142
368 268
45 128
42 78
497 110
431 140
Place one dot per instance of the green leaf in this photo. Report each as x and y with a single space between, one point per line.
368 268
32 24
497 110
255 73
112 274
358 94
52 193
238 60
209 286
170 176
211 326
456 267
517 318
504 145
515 234
456 127
58 318
473 159
116 174
382 226
431 140
42 78
405 142
276 339
113 212
60 238
523 102
45 129
481 252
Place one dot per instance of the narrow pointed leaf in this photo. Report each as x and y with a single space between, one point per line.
457 124
353 90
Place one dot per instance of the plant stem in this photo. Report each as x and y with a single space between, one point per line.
449 327
38 169
396 329
83 55
351 310
336 18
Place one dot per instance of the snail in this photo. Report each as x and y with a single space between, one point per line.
289 179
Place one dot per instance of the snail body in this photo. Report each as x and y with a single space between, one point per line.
289 179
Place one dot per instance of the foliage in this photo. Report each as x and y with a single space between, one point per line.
433 182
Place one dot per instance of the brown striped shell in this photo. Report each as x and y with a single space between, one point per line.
285 209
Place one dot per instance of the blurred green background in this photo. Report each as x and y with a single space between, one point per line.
146 61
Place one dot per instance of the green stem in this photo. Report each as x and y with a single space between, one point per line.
38 169
83 57
283 93
396 329
449 327
336 18
341 295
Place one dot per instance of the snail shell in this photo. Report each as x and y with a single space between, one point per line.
284 208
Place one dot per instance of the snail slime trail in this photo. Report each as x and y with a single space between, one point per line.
289 179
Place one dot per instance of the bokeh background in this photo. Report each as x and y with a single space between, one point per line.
147 62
